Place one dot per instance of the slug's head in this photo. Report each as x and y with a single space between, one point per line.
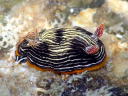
93 46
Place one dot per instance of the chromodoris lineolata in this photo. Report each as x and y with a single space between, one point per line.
63 50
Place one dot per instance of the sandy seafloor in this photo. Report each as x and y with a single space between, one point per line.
20 17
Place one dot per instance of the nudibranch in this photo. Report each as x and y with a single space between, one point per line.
63 50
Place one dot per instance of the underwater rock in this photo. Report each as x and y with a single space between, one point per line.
117 52
5 6
85 3
104 15
118 91
81 86
84 19
119 7
118 24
